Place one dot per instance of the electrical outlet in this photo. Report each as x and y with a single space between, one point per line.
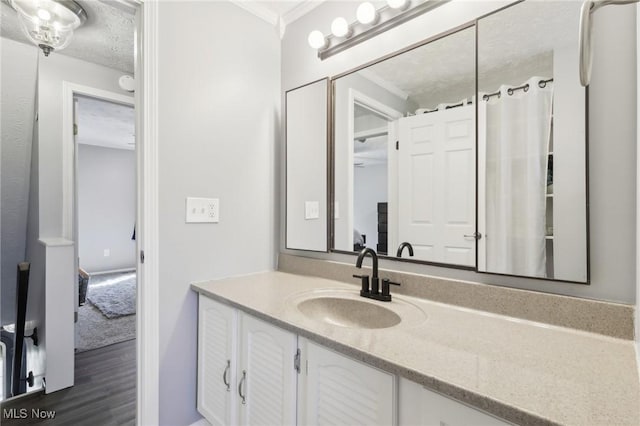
202 210
107 252
213 210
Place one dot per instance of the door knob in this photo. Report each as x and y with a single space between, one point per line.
475 235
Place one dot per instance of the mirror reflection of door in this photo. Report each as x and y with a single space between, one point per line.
404 142
436 179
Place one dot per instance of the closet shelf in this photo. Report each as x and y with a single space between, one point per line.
371 133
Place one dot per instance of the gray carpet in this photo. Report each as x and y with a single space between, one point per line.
114 294
95 330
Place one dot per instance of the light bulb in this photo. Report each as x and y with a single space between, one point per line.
316 39
397 4
340 27
366 13
44 14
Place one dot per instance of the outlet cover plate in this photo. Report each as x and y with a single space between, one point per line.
311 210
202 210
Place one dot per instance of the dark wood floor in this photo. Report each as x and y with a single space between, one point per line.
104 392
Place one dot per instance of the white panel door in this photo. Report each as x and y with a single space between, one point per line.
336 390
436 185
266 376
216 361
419 406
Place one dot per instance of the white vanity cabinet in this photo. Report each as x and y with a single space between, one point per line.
266 375
217 344
420 406
337 390
247 375
245 368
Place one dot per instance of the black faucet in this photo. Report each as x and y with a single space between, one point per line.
373 292
365 278
402 246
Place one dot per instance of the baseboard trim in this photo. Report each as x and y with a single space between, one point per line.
201 422
113 271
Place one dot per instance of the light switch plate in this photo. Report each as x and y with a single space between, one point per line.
311 210
336 210
202 210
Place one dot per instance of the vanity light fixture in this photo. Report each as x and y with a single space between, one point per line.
340 27
367 13
370 22
398 4
49 24
316 39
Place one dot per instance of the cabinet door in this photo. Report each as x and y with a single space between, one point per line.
216 361
336 390
419 406
266 376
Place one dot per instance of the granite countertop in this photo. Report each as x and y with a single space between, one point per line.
522 371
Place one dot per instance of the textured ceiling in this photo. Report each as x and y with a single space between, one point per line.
107 38
512 45
105 124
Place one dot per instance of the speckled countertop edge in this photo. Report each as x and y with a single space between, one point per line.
495 407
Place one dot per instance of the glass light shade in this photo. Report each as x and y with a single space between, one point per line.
316 39
397 4
340 27
49 24
366 13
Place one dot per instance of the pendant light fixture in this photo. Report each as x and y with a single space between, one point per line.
49 24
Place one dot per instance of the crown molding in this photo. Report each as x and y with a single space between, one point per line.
280 22
259 10
302 8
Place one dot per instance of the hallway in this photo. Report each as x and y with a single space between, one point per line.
104 392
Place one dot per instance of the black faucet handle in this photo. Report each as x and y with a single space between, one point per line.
385 286
364 280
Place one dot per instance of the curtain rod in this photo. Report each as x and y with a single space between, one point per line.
525 87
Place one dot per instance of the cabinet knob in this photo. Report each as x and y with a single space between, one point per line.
224 376
241 387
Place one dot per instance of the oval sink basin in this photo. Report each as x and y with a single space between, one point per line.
345 312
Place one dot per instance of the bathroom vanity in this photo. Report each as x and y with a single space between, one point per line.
469 147
281 348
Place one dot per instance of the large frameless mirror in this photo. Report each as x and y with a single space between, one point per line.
404 154
532 187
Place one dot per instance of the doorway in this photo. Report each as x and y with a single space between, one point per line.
105 207
372 181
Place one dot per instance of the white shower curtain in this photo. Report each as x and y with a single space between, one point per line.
517 131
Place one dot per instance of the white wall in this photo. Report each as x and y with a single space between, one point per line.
219 115
612 135
18 91
106 208
53 70
370 188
